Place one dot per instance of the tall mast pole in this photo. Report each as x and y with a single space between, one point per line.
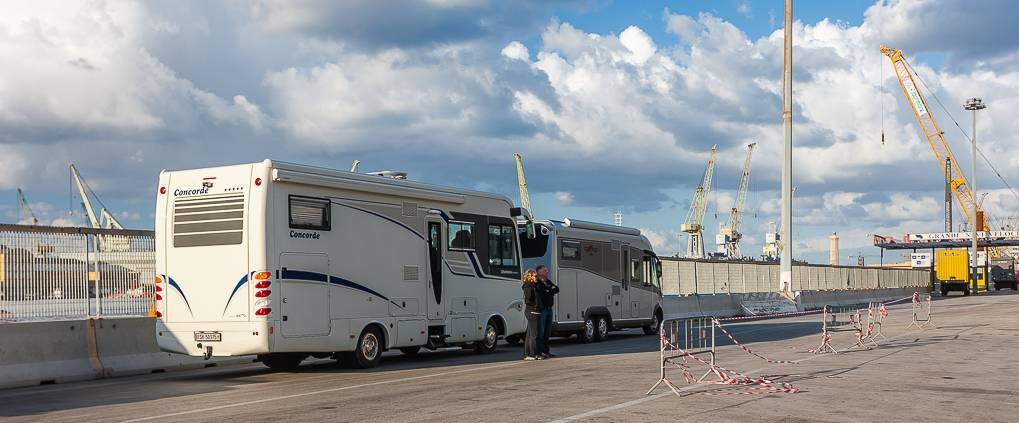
786 253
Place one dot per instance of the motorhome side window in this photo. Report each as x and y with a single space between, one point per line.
461 236
570 250
500 245
310 213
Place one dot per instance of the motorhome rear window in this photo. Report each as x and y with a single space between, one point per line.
461 236
310 213
570 250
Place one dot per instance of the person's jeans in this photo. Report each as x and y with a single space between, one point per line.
545 330
532 342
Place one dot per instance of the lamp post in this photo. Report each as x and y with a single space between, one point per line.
973 105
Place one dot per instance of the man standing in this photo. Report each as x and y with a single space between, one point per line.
548 291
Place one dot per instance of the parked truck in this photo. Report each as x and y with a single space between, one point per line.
951 268
1003 273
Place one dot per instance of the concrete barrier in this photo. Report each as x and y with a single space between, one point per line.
34 353
720 305
815 300
680 307
44 352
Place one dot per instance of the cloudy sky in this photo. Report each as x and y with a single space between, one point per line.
613 105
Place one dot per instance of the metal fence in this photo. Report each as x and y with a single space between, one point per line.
50 273
689 276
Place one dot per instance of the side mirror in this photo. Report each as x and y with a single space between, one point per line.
529 221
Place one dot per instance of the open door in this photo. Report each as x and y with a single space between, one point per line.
436 289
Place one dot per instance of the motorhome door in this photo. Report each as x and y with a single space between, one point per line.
304 285
436 288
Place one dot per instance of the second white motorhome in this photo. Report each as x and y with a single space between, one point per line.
288 261
609 277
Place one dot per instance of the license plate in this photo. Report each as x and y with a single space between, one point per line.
208 336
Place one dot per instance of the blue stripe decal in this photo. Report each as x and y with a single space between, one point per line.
382 216
240 283
321 277
173 283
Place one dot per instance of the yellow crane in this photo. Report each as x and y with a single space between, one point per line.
728 239
693 225
936 139
525 198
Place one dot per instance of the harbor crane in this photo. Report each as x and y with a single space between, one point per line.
525 198
26 212
102 220
729 237
693 226
936 139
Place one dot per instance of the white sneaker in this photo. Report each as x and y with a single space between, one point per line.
529 358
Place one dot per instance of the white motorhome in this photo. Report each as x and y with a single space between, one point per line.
286 261
609 277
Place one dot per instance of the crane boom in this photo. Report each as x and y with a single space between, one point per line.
85 202
26 212
694 223
109 221
525 198
934 136
730 236
736 217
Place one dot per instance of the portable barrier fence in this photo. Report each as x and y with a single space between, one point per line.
53 273
838 319
684 342
922 316
876 313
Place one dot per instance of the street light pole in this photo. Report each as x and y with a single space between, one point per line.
973 105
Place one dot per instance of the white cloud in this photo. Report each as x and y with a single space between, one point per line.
516 50
743 8
564 198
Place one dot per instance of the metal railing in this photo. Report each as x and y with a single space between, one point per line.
52 273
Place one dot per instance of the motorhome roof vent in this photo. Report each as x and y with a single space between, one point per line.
390 174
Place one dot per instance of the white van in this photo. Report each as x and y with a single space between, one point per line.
286 261
609 277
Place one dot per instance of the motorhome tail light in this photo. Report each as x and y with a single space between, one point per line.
262 284
264 311
263 293
159 297
162 190
258 182
159 280
159 314
261 276
159 288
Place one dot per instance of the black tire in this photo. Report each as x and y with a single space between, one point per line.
513 340
655 325
944 292
410 350
282 361
368 351
487 344
586 334
1015 287
965 293
601 330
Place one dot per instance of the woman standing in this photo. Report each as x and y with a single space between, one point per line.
532 310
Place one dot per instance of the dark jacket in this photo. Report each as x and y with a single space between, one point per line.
532 297
548 291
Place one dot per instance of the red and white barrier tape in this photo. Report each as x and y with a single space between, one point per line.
727 376
747 349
